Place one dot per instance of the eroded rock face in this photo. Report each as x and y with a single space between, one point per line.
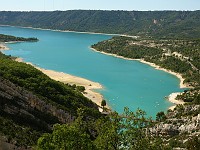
26 112
165 129
187 128
175 124
15 101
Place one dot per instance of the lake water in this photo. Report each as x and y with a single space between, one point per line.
125 82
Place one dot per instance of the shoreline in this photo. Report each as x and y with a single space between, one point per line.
56 30
91 94
179 76
70 79
172 96
172 99
3 47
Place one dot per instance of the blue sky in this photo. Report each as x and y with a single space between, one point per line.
27 5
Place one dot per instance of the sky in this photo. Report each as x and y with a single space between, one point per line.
145 5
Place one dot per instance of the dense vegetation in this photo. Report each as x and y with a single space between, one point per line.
8 38
143 23
17 134
110 132
31 102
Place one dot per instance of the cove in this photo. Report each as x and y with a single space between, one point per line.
126 82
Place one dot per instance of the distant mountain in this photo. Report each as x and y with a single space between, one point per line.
170 24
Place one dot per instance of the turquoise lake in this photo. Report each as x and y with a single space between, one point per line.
126 83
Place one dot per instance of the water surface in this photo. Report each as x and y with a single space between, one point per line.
126 83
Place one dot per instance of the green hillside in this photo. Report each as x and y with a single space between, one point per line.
171 24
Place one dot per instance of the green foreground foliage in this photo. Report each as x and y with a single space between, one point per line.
126 131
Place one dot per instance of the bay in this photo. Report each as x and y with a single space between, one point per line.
126 82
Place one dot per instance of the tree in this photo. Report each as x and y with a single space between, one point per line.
103 103
111 132
108 129
126 131
160 116
80 88
135 125
68 136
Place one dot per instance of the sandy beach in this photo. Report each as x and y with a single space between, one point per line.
67 78
172 99
70 79
3 47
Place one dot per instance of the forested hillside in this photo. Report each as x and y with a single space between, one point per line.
162 24
31 103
